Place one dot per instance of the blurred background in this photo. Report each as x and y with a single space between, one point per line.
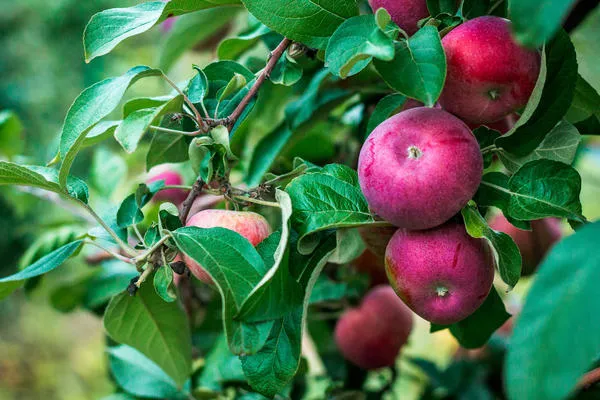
46 353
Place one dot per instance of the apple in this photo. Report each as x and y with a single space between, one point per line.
534 244
252 226
372 335
489 76
171 178
419 168
405 13
442 274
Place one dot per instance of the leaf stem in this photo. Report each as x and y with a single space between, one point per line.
489 149
257 201
138 234
144 275
144 256
201 124
175 131
112 253
126 247
265 73
182 187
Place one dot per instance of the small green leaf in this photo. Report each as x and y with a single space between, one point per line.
91 106
108 28
100 132
236 82
157 329
418 69
355 43
45 264
286 72
166 148
536 21
560 313
388 106
506 252
265 153
198 86
129 212
163 283
140 376
221 367
232 48
486 137
305 21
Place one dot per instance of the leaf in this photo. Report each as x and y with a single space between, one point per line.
129 212
43 178
49 241
198 86
108 28
232 48
166 148
536 21
545 188
236 268
91 106
11 130
486 137
324 201
490 193
132 128
265 153
108 171
506 253
163 283
185 32
159 330
138 375
355 43
113 277
305 21
44 265
139 103
388 106
586 102
559 313
418 69
560 145
286 72
474 331
236 82
221 367
549 101
100 132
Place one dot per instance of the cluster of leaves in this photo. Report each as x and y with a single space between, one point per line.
341 73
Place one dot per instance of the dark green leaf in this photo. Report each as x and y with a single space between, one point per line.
586 102
418 69
560 314
388 106
303 21
354 44
265 153
198 86
506 252
129 212
221 367
166 148
163 283
536 21
232 48
114 276
490 194
157 329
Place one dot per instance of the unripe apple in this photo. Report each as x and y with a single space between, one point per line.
171 178
442 274
405 13
419 168
489 76
533 244
372 335
252 226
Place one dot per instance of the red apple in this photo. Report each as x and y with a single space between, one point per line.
372 335
171 178
405 13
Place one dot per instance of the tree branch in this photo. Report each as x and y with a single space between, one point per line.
589 379
265 73
186 206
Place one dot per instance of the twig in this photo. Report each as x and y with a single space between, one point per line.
110 252
144 275
186 206
256 201
144 256
589 379
275 56
126 247
201 124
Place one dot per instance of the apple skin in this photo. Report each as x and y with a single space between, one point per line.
419 168
405 13
534 244
372 335
489 76
252 226
171 178
442 274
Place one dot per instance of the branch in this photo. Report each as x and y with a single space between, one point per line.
589 379
201 123
275 56
186 206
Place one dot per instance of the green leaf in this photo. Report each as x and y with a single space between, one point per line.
559 145
236 268
388 106
236 82
418 69
108 171
486 137
157 329
232 48
185 32
326 200
221 367
545 188
355 43
490 194
49 241
286 72
163 283
11 130
166 148
129 212
138 375
198 86
139 103
474 331
536 21
92 105
549 101
305 21
45 264
506 253
113 277
350 246
265 153
436 7
586 102
108 28
132 128
100 132
43 178
559 313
